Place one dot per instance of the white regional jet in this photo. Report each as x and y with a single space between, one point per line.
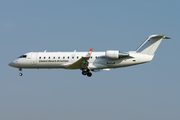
91 61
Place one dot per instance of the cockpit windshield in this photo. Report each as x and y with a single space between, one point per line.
23 56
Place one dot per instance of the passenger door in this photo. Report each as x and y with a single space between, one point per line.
34 58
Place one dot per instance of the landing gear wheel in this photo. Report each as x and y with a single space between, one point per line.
84 72
20 74
89 74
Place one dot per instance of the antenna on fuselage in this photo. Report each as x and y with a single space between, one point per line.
45 50
75 51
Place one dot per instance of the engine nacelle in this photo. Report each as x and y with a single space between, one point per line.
112 54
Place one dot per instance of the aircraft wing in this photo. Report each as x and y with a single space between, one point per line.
81 63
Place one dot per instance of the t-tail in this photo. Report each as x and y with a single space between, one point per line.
151 44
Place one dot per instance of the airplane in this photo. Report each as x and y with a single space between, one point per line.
91 61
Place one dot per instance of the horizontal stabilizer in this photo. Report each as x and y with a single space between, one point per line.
167 38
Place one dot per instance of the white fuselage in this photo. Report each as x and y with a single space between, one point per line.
98 60
91 61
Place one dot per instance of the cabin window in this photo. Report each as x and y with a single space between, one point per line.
68 57
91 57
44 57
53 57
49 57
96 57
77 57
39 57
58 57
72 57
63 57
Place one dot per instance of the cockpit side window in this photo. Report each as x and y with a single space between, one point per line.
23 56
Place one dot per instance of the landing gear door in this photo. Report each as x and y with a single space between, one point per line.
34 58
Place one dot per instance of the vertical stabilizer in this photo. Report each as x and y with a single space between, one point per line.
151 44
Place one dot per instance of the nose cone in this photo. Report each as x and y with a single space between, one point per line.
11 64
14 64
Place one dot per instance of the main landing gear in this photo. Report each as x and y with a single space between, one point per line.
20 74
87 72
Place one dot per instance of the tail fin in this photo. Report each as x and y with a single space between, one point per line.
151 44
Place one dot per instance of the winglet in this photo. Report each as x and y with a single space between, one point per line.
89 53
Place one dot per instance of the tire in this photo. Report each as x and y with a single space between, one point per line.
89 74
20 74
84 72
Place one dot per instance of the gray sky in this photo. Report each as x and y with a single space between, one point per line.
144 92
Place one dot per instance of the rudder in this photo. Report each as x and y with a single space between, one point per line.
151 44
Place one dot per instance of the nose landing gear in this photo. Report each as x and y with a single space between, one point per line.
20 74
87 72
